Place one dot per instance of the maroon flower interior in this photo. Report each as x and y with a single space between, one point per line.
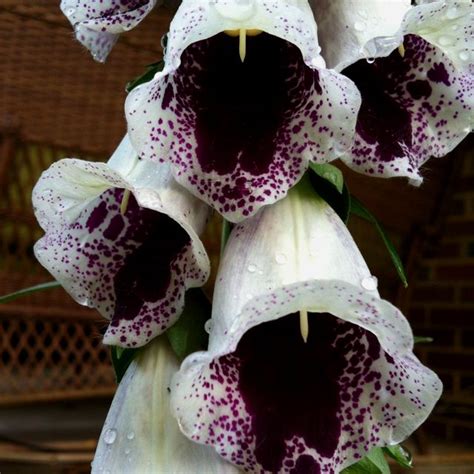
150 243
395 98
238 107
296 389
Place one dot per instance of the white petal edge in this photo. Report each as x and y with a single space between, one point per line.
345 26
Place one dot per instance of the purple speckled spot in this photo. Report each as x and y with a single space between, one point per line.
439 74
97 217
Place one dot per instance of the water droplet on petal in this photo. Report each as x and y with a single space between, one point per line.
463 55
110 436
370 60
131 435
359 26
127 451
370 283
208 326
252 268
281 258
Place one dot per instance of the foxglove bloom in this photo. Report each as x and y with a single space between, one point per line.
98 23
270 399
122 237
140 436
241 117
417 100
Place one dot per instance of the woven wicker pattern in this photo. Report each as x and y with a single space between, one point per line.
49 346
52 90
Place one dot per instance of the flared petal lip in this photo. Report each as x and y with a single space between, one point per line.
294 297
415 22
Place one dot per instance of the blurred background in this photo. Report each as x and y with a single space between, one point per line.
56 381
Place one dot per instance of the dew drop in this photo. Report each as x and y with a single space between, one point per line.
370 60
281 258
208 326
359 26
370 283
127 451
252 268
131 435
463 55
110 436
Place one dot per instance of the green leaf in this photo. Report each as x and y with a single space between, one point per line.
188 335
400 454
339 201
329 173
121 359
360 210
423 340
147 76
373 463
26 291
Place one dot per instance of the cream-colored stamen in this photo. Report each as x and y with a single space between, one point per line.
401 50
242 44
304 325
124 203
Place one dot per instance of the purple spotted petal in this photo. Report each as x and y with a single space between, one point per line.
267 401
272 403
241 134
413 107
97 23
133 267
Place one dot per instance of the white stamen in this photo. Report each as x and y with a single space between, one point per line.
304 325
124 203
242 44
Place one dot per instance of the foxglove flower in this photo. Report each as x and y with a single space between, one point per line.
307 368
98 23
240 118
140 436
134 260
417 100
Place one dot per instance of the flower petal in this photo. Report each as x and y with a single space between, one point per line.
345 26
256 394
449 26
97 23
99 254
413 107
239 135
140 435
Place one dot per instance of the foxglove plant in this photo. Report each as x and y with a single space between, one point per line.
243 104
140 435
308 368
122 237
